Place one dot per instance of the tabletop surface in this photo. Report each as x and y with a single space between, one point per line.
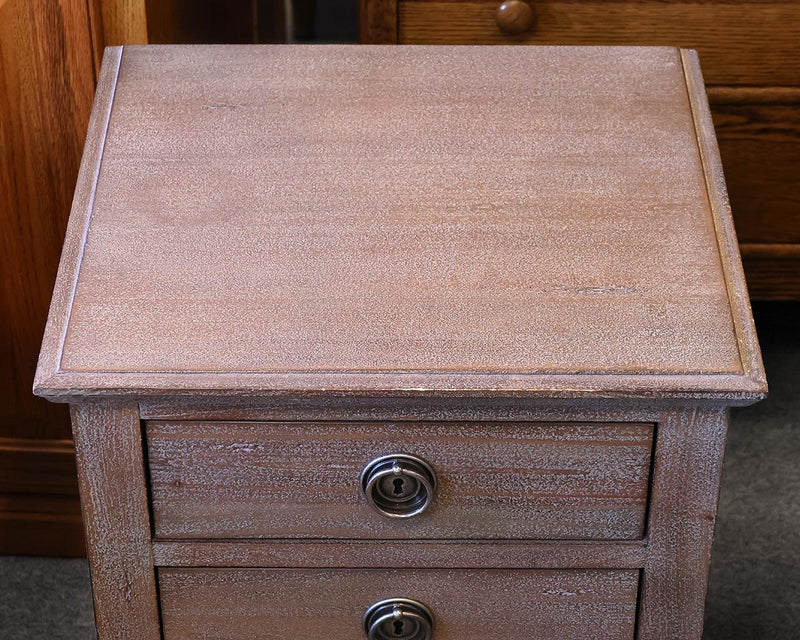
312 218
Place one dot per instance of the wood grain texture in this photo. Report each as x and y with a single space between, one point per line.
740 43
749 351
496 408
113 489
46 83
683 505
124 21
377 21
72 253
492 605
253 480
420 554
535 290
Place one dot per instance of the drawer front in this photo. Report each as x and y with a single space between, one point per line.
281 604
493 480
743 43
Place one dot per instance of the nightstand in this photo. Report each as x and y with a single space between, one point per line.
384 342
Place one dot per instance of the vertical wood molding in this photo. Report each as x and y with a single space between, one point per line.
113 487
685 489
124 22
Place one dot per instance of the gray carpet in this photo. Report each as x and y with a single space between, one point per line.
754 591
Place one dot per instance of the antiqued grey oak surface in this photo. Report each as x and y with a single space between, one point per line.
301 479
518 264
547 221
249 604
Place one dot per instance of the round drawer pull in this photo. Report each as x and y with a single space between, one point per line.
514 17
398 485
398 619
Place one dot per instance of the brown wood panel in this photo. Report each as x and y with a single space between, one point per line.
113 489
773 270
40 525
760 149
46 86
683 506
349 408
209 22
491 605
739 42
509 480
453 554
123 21
377 21
38 466
536 286
39 508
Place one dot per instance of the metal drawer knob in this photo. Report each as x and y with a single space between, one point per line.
398 619
514 17
398 485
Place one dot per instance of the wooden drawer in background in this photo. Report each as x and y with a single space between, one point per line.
740 43
289 604
495 480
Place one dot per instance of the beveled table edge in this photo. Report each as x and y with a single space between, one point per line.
59 385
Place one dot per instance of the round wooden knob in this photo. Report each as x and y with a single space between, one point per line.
514 17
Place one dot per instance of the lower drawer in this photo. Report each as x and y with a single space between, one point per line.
290 604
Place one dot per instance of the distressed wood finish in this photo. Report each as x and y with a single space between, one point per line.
491 605
111 476
327 297
686 474
746 47
518 264
740 42
502 480
451 554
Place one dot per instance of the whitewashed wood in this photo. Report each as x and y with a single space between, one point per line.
487 407
80 216
487 605
749 350
495 480
683 506
582 245
111 475
419 554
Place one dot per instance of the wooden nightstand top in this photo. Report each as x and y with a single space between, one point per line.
543 221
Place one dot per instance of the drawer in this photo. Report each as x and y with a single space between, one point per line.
281 604
741 43
493 480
